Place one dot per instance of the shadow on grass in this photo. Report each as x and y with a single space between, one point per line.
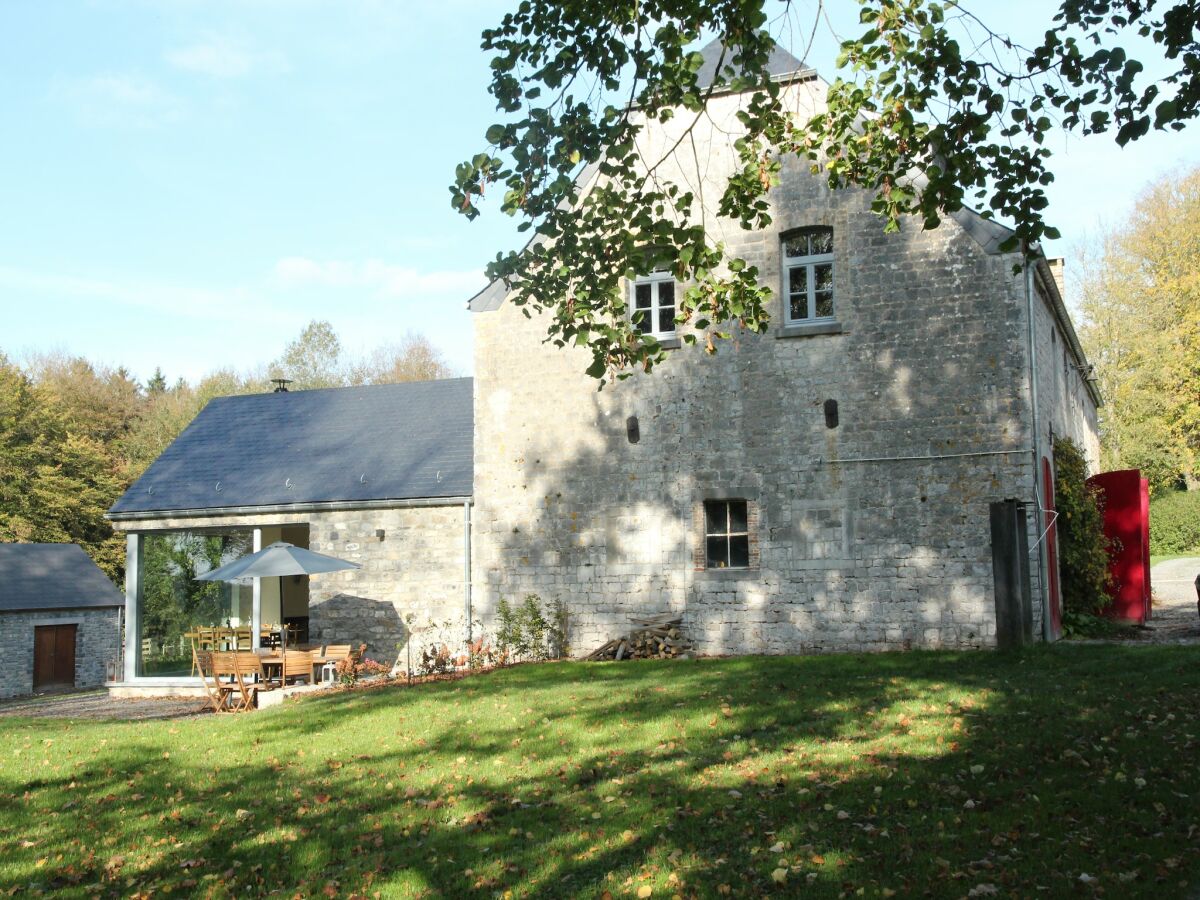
911 773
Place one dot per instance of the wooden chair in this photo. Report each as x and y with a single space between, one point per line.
250 677
333 653
297 663
219 692
206 638
243 638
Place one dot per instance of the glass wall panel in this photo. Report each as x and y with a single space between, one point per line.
174 603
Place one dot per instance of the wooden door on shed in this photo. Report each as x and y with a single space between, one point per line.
53 657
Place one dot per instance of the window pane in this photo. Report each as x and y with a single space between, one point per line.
798 307
737 516
666 319
739 552
642 320
822 241
824 304
798 280
173 602
642 294
718 552
666 293
796 245
715 517
823 277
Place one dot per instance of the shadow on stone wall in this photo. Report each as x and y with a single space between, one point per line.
347 619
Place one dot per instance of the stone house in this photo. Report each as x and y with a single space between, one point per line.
379 475
824 486
60 619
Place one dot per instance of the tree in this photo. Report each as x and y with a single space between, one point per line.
157 383
414 358
1140 293
55 483
312 360
935 110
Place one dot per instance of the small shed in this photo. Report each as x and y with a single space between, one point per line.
60 619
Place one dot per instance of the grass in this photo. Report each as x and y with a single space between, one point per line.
849 775
1156 558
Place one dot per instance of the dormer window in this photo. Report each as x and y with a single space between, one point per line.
808 275
653 305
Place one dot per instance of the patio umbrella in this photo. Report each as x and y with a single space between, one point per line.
278 560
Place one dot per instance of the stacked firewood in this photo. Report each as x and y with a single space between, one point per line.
655 637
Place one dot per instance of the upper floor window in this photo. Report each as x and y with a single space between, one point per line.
808 274
653 307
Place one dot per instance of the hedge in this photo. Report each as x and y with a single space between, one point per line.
1175 523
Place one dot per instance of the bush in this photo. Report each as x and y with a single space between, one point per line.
529 633
1175 523
1082 544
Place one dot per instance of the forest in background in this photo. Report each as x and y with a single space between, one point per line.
74 435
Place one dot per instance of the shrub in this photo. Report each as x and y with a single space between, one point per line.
1082 545
529 632
355 666
1175 523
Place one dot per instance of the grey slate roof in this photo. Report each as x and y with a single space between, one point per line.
340 445
780 64
52 576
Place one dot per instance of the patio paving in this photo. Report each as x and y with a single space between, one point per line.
100 705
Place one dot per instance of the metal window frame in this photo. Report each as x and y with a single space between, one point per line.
808 262
654 280
728 534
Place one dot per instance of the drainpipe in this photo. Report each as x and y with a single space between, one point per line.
467 566
1043 562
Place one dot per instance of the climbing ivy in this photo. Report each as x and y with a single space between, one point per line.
1083 547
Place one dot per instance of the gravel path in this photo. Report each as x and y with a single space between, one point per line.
1174 618
99 705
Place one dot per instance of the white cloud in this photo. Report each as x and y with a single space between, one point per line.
112 98
376 276
221 56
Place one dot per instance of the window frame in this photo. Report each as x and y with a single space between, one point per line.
728 534
809 262
655 280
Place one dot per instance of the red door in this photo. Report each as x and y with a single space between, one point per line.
1051 551
53 657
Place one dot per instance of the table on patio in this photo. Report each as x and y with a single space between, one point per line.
272 658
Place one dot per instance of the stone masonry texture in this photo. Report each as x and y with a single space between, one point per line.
851 553
96 645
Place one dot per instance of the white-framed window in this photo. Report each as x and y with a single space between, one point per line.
726 534
652 304
808 275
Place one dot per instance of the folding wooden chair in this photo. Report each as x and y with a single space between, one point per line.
218 691
333 653
297 663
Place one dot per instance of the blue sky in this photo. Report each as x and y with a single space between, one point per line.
187 183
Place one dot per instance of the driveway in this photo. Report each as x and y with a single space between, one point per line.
1174 616
99 705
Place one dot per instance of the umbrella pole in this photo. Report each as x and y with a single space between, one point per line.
282 621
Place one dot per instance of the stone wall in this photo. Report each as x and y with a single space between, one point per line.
415 569
96 644
855 552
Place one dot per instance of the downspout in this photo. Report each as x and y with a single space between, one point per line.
1043 562
467 567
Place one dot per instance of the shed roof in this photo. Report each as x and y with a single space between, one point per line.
52 576
339 445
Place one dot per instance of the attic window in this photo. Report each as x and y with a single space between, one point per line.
808 275
653 304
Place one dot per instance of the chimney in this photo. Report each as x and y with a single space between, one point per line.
1056 269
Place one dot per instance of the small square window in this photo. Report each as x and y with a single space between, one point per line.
726 534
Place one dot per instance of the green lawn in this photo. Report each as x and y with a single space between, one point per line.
1155 559
862 775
